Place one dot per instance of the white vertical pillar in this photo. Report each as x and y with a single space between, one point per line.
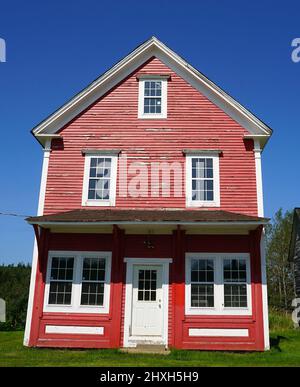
259 187
260 212
40 211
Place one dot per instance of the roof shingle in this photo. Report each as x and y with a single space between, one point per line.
114 215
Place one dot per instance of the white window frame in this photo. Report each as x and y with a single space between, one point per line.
75 306
216 180
113 181
164 92
218 308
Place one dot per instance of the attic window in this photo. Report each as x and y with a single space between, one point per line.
152 98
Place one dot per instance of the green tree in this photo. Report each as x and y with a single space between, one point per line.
14 287
279 271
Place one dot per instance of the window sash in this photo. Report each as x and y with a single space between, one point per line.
205 191
98 284
241 297
202 296
59 288
102 178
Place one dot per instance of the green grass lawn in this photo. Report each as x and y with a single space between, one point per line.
285 351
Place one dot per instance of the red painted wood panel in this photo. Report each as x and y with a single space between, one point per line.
193 122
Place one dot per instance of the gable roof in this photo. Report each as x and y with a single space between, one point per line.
151 48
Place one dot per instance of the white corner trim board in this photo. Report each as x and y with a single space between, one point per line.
259 185
74 330
40 211
264 292
201 332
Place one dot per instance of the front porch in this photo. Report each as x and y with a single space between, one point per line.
148 283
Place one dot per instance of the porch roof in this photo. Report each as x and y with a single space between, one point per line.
135 216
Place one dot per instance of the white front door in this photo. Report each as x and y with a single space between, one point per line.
147 301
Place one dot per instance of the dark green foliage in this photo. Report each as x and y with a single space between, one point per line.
279 271
14 287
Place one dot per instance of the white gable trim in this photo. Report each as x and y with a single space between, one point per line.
152 47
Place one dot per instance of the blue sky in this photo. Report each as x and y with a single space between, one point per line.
55 48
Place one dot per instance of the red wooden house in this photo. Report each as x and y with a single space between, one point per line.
150 224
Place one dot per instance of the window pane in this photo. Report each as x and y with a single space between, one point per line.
202 270
235 270
147 285
60 293
92 293
62 268
235 296
202 296
93 269
152 105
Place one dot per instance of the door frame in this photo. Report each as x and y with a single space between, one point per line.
131 341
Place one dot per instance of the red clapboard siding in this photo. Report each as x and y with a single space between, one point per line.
193 122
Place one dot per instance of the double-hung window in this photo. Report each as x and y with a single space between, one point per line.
99 183
202 180
152 98
218 284
78 282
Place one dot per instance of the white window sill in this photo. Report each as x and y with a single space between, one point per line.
152 116
98 203
198 203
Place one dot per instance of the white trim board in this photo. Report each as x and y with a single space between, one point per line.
258 173
40 211
152 47
131 341
74 330
264 292
202 332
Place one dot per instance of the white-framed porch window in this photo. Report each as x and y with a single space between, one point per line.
202 180
77 282
152 98
100 180
218 284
